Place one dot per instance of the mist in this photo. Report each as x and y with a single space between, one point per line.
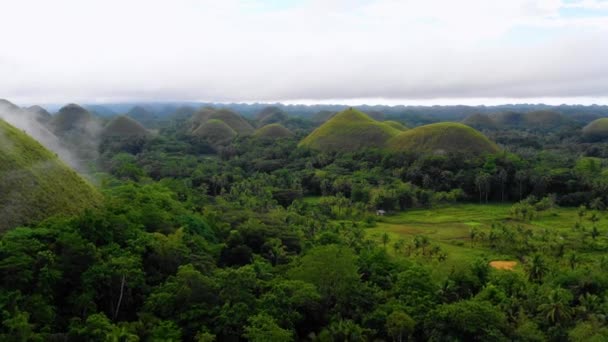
27 122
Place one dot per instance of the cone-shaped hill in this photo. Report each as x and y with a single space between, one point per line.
543 118
396 124
215 131
270 115
41 114
479 121
35 184
349 130
273 131
124 127
230 118
72 118
597 129
443 137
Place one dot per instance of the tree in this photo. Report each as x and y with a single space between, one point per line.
467 320
482 181
385 239
537 268
399 325
332 269
263 328
556 308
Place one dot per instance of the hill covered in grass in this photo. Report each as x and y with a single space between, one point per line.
443 137
215 131
35 184
124 127
349 130
270 115
273 131
72 118
480 121
230 118
597 129
396 124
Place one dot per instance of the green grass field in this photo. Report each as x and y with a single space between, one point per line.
450 227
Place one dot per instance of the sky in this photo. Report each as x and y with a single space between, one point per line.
297 51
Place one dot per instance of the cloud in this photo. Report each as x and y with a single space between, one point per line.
69 50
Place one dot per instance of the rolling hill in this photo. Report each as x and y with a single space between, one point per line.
349 130
73 119
543 118
230 118
273 131
396 124
597 129
480 121
270 115
443 137
216 132
124 127
35 184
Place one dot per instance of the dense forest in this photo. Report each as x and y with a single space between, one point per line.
208 225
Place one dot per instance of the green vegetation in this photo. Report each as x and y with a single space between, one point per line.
480 121
273 131
346 240
349 130
443 137
34 184
71 119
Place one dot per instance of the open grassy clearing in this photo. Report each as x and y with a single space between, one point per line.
450 228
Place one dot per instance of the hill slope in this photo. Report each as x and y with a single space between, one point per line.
34 183
124 127
215 131
230 118
597 129
396 124
349 130
443 137
273 131
479 121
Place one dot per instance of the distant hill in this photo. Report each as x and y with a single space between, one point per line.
543 118
273 131
124 127
144 116
72 118
508 119
349 130
596 130
41 114
396 124
443 137
34 183
480 121
322 116
270 115
216 132
230 118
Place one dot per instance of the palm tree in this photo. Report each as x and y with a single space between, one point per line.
537 268
385 239
557 308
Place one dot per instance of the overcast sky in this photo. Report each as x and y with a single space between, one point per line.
296 51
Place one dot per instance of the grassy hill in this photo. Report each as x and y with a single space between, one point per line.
508 119
479 121
35 184
124 127
270 115
396 124
215 131
41 114
597 129
543 118
349 130
273 131
230 118
443 137
71 118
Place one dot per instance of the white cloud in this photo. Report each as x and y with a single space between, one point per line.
70 50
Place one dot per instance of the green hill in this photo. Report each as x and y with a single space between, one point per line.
72 118
479 121
273 131
270 115
597 129
41 114
543 118
230 118
215 131
35 184
124 127
508 119
396 124
322 116
443 137
349 130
